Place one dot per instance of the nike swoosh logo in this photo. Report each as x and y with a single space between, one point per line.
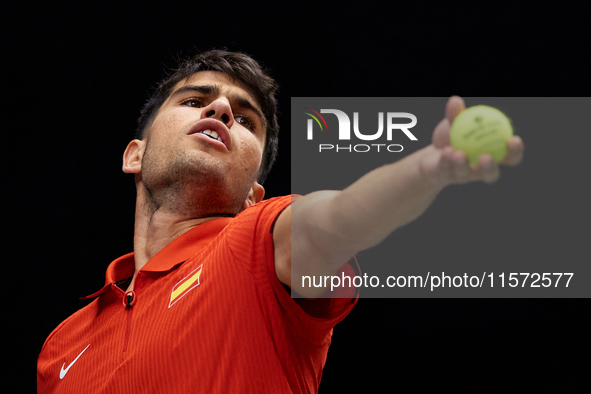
63 371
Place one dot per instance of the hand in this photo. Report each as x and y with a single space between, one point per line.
442 165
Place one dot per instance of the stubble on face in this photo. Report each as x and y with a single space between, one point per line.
187 184
194 180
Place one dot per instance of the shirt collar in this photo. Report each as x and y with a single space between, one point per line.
175 253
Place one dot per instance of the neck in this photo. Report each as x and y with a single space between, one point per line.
157 225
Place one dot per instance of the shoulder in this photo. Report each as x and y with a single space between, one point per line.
250 233
266 212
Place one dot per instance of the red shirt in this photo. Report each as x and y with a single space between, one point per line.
208 315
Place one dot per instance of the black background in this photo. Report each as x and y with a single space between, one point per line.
75 76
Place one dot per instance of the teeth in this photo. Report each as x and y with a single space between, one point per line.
212 134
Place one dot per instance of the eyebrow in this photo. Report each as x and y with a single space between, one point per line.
241 101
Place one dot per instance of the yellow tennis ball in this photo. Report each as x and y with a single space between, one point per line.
481 129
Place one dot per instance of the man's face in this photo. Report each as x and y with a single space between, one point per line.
208 137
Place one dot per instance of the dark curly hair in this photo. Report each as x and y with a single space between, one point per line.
237 66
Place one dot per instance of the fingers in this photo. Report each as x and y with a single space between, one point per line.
488 170
462 168
455 167
454 106
515 149
441 134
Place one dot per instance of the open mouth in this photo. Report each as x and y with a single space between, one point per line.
213 129
212 134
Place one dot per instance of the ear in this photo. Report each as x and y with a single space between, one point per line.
132 157
256 194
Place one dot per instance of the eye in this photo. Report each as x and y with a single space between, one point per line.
245 121
193 102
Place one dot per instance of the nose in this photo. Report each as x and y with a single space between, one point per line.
219 109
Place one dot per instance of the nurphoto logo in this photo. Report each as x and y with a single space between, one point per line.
391 119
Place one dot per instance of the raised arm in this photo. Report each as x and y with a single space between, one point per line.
318 233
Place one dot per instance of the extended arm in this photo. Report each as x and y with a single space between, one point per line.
322 230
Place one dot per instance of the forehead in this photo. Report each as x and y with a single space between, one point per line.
226 84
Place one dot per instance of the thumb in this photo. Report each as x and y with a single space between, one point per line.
454 106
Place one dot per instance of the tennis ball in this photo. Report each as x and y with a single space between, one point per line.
481 129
